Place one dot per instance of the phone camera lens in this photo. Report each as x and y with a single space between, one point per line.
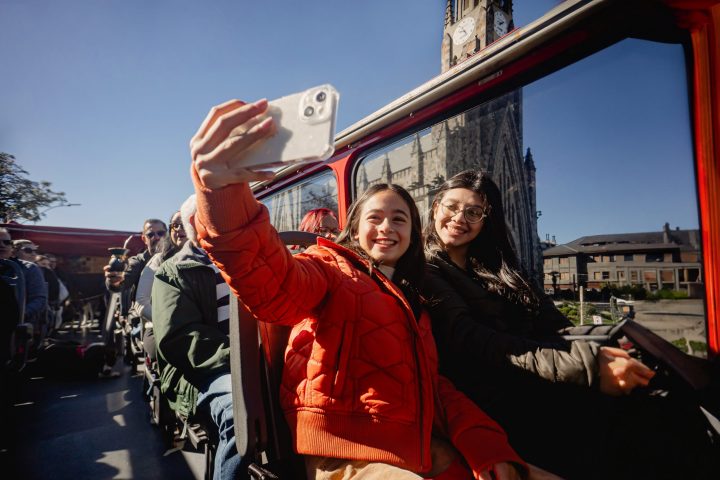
309 111
321 96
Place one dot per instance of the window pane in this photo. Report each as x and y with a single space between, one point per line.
288 206
587 156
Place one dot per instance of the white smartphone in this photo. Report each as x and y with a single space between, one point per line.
305 129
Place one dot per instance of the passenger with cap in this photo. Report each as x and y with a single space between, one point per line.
36 295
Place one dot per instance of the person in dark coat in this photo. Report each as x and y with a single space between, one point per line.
573 407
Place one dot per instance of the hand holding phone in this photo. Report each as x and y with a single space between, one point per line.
305 130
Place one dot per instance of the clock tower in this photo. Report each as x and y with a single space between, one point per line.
489 136
471 25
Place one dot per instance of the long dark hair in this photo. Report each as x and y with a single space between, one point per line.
412 263
490 254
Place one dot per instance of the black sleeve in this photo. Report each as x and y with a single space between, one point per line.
132 275
462 330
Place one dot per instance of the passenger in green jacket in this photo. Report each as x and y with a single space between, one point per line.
191 317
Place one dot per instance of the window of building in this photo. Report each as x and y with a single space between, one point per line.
563 260
689 257
667 276
597 275
606 275
634 276
621 274
654 257
564 276
547 263
287 207
628 257
650 276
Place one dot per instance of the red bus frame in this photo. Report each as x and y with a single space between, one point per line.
568 33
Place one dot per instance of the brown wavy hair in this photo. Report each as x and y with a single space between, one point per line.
411 264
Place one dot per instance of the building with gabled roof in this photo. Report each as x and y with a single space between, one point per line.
668 259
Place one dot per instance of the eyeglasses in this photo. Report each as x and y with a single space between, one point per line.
177 226
7 243
327 231
471 214
151 234
28 249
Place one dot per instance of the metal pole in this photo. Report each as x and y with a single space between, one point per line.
582 305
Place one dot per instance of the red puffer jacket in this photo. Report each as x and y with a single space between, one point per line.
360 378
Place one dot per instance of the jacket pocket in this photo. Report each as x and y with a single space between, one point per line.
342 364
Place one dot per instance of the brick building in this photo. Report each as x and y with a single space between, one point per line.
668 259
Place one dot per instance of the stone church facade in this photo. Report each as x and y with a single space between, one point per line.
488 136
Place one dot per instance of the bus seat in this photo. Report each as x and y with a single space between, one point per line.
257 357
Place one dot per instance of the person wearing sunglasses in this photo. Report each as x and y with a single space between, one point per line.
25 250
154 230
33 282
142 307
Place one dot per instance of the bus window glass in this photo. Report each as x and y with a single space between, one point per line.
287 207
595 159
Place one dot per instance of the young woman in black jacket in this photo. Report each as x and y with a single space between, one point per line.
567 406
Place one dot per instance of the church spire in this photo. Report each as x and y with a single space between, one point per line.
448 13
529 163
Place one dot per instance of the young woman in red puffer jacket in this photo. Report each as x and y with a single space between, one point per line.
360 387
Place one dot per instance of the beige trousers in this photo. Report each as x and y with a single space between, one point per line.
323 468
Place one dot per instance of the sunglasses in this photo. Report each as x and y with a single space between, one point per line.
28 249
151 234
177 226
7 243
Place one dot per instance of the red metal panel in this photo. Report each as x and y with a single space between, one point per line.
69 241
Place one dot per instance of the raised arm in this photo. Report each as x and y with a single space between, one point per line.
234 228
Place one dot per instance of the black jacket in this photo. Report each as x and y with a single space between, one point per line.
487 342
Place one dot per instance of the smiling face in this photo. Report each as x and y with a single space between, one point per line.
384 228
454 230
177 231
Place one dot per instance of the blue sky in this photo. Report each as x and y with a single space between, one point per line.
101 99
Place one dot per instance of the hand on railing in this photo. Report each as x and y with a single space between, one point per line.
620 373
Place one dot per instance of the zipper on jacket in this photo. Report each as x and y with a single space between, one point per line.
417 344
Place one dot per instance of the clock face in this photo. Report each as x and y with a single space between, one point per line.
464 30
500 24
